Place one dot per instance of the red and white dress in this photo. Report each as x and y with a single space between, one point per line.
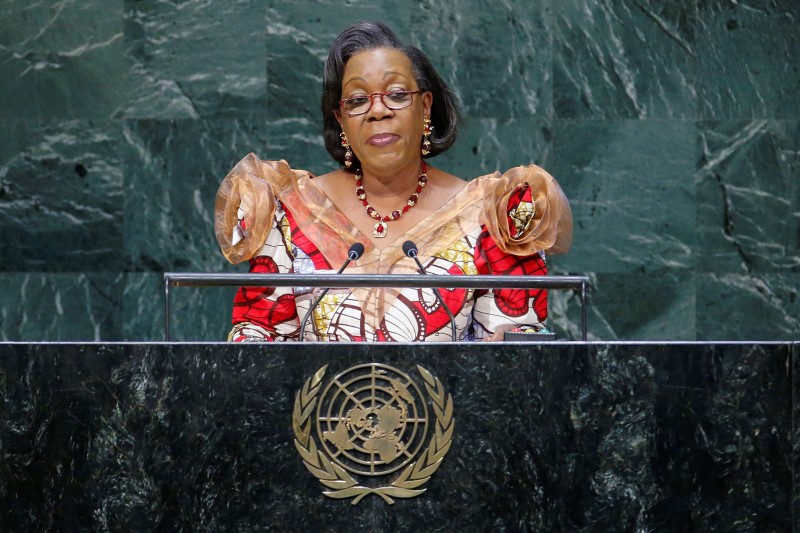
280 221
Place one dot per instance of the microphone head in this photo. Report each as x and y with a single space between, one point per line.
355 251
410 249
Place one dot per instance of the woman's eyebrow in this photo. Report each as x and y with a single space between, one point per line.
357 78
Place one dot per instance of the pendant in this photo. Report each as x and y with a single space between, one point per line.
380 230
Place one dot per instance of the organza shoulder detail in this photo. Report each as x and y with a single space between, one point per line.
525 212
244 208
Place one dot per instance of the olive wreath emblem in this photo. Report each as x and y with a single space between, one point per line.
340 483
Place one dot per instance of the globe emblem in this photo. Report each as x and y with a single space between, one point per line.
372 419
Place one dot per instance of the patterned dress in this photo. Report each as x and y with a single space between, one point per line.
280 221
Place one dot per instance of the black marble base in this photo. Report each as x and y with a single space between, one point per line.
551 437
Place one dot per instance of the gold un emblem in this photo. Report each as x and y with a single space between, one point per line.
375 431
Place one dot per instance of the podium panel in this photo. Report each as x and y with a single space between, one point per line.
550 437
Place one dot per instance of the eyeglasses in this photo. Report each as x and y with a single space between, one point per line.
394 100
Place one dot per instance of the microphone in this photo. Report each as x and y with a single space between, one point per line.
355 251
410 249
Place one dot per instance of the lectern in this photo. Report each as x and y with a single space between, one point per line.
558 436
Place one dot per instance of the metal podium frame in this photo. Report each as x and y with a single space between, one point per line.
416 281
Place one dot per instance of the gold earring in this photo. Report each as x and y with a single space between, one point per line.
348 155
426 133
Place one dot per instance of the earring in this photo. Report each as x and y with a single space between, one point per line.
426 133
348 155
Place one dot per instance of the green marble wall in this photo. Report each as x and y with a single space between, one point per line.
673 127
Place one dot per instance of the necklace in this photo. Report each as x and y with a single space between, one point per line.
382 227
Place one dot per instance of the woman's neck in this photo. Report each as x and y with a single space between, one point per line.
391 185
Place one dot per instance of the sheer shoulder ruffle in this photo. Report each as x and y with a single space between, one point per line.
526 212
248 192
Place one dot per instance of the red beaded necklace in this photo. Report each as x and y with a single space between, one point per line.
382 227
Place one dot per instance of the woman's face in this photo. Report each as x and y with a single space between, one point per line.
386 141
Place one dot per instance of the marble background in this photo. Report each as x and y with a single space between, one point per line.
673 127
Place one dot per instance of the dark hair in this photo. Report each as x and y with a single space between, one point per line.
367 36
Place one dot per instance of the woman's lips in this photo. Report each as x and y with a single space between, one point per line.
382 139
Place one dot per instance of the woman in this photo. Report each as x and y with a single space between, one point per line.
385 111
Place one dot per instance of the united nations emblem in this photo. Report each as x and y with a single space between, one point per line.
375 431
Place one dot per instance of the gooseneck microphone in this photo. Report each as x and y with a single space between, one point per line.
355 252
410 249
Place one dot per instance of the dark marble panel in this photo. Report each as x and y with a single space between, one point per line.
748 197
61 60
195 59
61 196
721 424
630 186
624 59
172 172
60 306
633 306
748 59
626 437
748 307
